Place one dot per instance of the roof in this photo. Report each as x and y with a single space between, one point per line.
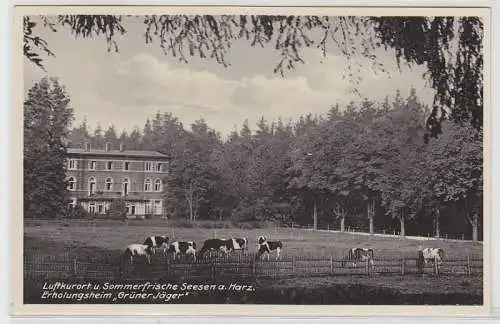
131 153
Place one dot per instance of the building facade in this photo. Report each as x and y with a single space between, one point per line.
97 177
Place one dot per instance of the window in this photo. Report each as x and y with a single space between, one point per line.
125 187
109 184
92 185
149 207
147 166
147 185
157 207
92 208
157 185
126 166
72 164
72 184
109 165
159 167
130 209
100 208
92 165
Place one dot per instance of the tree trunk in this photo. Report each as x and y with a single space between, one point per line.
475 225
402 222
190 201
342 223
437 223
371 213
315 216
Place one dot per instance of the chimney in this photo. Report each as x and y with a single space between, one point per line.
121 147
108 147
87 147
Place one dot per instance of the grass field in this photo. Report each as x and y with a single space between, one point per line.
52 239
296 242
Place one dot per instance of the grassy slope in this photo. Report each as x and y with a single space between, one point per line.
86 242
296 242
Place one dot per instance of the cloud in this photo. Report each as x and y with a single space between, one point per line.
146 80
126 88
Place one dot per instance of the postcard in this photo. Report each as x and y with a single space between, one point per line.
291 161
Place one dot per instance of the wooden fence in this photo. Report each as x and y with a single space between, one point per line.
110 267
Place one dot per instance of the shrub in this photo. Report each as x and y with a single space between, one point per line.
117 210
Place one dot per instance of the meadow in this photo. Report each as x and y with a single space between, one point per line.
115 236
307 248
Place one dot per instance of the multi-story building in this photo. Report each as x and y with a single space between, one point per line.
97 177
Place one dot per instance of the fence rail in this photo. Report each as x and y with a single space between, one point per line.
110 267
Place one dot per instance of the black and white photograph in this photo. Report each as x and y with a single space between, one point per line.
257 157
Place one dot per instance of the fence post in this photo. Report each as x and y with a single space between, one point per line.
436 266
331 266
468 266
293 265
253 266
74 266
366 267
403 265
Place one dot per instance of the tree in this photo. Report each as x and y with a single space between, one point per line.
98 138
193 179
456 172
111 137
449 47
396 159
47 117
80 135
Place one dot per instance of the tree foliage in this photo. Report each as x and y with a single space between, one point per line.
449 47
47 117
359 165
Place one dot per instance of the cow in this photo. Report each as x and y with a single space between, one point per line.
430 255
157 242
267 247
358 254
233 244
213 245
182 248
134 250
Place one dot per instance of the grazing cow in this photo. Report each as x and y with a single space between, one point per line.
213 245
267 247
431 255
157 242
134 250
182 248
356 255
233 244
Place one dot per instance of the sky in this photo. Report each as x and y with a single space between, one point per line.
125 88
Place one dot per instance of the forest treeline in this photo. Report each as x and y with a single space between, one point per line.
365 165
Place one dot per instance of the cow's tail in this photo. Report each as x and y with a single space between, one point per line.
441 254
127 255
372 257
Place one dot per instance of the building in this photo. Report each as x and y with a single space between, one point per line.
97 177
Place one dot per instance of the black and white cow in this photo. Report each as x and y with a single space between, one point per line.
266 247
134 250
156 242
357 254
214 244
431 255
182 248
234 244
